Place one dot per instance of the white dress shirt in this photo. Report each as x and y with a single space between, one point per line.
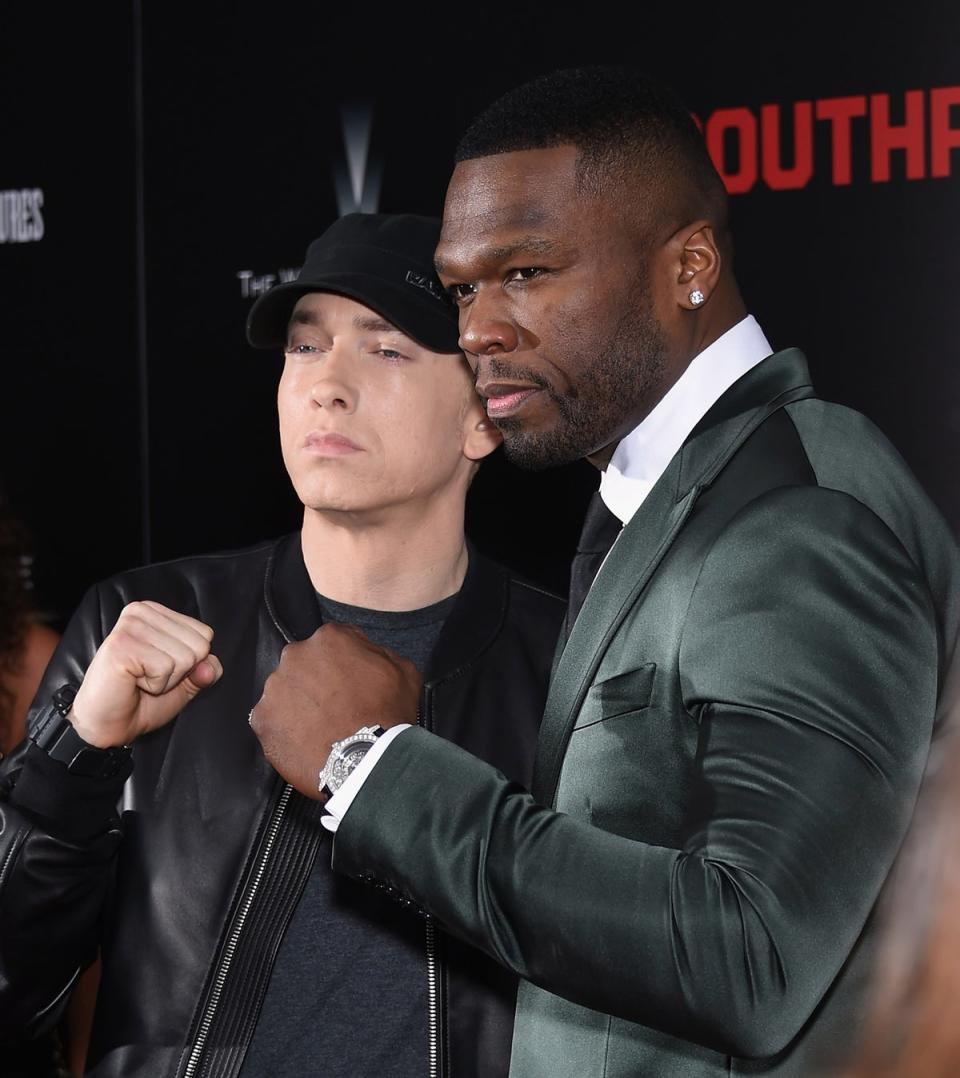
643 455
636 465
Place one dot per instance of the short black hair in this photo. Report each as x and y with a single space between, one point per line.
625 126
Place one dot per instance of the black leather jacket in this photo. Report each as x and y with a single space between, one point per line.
188 892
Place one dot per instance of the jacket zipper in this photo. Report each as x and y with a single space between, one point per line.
433 1034
433 995
433 1015
196 1054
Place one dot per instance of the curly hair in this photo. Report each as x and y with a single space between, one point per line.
14 605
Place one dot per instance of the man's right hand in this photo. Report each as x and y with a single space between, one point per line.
146 671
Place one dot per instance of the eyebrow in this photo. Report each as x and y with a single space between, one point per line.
303 318
535 245
372 324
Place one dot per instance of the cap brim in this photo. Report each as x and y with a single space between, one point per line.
422 319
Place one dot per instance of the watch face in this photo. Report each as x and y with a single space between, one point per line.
347 762
350 752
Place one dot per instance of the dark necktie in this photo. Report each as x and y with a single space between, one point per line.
600 530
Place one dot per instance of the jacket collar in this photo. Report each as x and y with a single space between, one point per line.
475 620
288 591
773 383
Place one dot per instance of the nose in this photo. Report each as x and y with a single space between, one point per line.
486 328
334 386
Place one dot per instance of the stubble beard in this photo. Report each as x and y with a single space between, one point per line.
627 372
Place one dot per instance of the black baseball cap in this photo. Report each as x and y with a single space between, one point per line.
384 261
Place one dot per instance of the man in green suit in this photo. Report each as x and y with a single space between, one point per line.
741 712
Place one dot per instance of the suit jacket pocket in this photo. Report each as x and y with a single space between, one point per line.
621 694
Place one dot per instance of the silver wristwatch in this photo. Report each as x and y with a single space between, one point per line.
344 757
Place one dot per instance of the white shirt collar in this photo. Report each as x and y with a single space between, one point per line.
643 455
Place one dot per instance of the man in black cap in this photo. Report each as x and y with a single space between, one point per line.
228 945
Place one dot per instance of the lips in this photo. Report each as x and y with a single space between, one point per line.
506 398
330 444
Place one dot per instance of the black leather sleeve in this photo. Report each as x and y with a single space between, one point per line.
59 836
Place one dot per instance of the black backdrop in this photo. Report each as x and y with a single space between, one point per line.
161 163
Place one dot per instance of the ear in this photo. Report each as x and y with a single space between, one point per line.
481 435
698 264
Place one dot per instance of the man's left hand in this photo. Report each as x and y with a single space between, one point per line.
326 688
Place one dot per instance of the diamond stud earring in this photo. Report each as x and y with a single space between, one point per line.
697 297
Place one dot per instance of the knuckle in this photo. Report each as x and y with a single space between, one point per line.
160 665
118 637
198 651
201 628
129 615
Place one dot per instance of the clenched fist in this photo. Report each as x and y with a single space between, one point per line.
146 671
326 688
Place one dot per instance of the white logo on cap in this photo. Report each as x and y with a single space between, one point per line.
427 283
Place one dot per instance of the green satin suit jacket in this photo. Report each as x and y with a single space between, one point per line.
731 748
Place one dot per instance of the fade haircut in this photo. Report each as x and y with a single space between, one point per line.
629 130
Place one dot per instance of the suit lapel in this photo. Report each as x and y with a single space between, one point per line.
629 566
777 381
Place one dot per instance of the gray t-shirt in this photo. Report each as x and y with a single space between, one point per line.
348 992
